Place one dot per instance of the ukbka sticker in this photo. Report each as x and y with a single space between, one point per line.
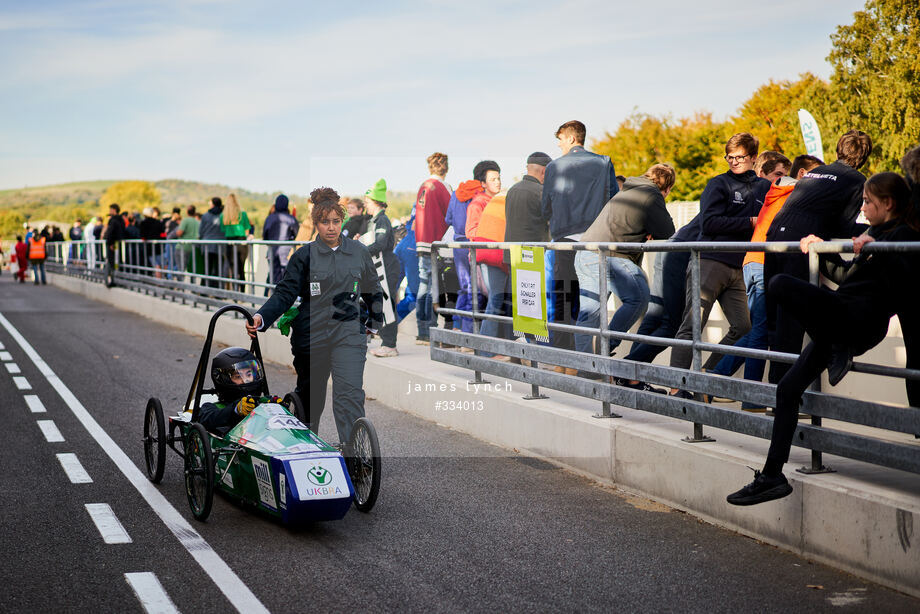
314 288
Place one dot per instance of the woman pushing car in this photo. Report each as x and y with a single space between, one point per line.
330 274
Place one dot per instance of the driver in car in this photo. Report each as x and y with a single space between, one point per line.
238 380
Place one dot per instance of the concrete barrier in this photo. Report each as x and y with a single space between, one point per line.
861 519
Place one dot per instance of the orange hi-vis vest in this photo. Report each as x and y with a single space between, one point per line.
772 203
37 248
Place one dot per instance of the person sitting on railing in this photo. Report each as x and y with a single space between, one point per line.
728 210
825 202
633 215
908 314
840 323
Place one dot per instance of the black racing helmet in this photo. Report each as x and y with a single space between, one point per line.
236 373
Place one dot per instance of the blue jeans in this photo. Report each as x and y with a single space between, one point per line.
38 266
423 309
756 339
666 306
628 283
499 303
408 258
465 296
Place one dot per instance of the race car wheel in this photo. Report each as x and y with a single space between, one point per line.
154 440
199 471
362 457
295 406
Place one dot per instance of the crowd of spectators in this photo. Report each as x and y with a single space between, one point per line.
765 297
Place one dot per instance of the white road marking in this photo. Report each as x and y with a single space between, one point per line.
6 356
2 347
50 431
223 576
34 403
12 367
107 523
74 469
151 593
22 383
853 596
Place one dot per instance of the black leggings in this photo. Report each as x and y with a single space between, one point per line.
829 318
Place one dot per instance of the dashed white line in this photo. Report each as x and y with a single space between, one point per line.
34 403
74 469
6 356
22 383
50 431
151 593
2 347
230 584
107 523
12 367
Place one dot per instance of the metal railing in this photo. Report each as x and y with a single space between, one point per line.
209 273
818 405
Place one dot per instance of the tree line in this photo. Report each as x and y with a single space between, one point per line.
873 87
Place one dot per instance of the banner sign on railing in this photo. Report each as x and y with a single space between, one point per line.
528 280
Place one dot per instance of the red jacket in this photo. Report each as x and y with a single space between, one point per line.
430 210
22 254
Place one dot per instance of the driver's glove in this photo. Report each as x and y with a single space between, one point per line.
245 406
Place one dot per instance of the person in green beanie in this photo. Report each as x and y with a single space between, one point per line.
380 242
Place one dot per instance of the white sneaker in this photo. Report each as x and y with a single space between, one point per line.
384 352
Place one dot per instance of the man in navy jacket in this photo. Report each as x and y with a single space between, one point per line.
728 211
576 187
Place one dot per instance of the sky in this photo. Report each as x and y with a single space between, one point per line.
288 96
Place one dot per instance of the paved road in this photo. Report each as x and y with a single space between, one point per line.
460 525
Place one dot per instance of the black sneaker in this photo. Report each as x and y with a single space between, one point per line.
643 386
840 363
683 394
761 490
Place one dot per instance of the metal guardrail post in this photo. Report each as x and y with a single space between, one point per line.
434 288
603 340
535 393
474 287
817 464
696 365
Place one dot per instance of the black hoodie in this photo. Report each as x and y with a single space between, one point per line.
727 205
825 202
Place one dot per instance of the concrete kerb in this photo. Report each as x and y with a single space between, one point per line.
861 520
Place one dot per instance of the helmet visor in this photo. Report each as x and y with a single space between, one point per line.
245 372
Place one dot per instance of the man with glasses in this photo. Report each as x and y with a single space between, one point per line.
728 211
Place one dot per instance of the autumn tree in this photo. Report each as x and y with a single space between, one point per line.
771 114
692 145
131 196
876 62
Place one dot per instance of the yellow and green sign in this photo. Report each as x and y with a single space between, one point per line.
528 282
